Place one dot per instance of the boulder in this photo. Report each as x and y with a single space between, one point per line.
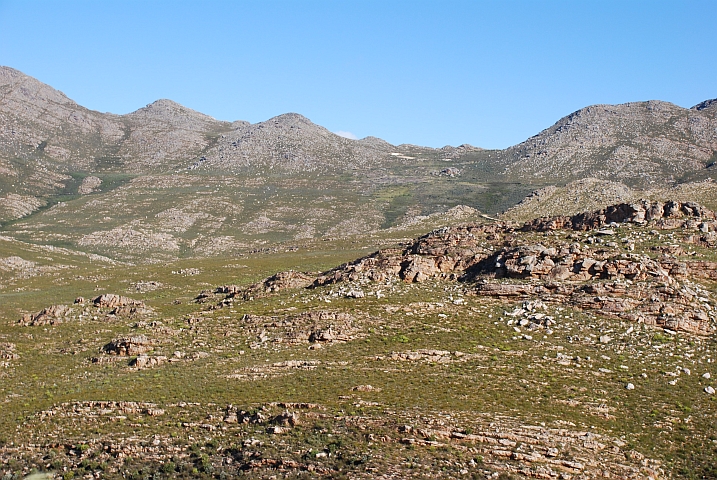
47 316
146 361
110 300
128 346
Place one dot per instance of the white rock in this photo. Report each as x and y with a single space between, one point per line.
709 390
706 375
630 386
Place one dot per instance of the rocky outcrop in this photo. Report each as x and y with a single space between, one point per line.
8 351
469 250
318 326
111 300
47 316
14 206
676 307
665 215
120 305
274 283
147 361
602 277
443 253
128 346
89 185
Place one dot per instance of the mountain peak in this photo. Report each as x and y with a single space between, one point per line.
8 73
27 89
169 111
289 119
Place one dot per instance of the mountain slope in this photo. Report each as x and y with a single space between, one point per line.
642 143
292 143
40 123
287 178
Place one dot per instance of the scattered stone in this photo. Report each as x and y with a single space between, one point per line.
709 390
316 326
7 351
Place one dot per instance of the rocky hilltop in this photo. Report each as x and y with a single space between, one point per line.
46 140
291 143
605 273
640 143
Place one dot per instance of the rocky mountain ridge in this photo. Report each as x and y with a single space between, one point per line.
638 143
292 143
169 179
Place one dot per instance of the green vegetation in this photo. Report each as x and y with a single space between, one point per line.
564 379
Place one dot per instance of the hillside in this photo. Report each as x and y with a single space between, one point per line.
642 144
566 347
167 182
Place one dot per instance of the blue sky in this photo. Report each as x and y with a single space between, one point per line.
488 73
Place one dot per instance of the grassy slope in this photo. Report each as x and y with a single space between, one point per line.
505 376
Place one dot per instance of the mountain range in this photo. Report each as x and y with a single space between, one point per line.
173 179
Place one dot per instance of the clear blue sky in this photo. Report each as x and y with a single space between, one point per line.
488 73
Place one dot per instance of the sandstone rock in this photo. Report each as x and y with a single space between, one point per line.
321 326
110 300
504 289
47 316
279 281
146 361
7 351
89 185
365 388
128 346
287 419
621 213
